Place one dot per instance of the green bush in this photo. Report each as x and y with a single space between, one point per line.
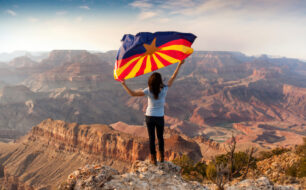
240 161
279 151
298 169
301 149
302 168
189 170
211 171
200 168
185 163
292 171
221 159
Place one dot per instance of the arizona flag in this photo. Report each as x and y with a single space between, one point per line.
147 52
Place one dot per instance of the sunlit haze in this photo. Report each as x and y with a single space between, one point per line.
273 27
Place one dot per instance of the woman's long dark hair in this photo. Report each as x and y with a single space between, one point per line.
155 83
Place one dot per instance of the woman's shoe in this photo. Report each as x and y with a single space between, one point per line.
153 159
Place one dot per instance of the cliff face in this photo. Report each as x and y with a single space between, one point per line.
91 139
197 147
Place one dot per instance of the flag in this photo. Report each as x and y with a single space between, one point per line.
146 52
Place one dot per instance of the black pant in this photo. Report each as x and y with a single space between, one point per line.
158 123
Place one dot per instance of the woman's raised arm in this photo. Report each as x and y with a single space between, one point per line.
132 92
175 73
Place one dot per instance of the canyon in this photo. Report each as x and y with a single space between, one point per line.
65 110
228 89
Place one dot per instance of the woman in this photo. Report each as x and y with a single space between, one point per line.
156 93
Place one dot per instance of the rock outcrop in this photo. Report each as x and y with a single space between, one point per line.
261 183
143 176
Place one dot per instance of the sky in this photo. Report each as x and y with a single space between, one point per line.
253 27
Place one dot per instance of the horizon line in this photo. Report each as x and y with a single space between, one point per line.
105 51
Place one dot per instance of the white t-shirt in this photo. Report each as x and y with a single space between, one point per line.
156 106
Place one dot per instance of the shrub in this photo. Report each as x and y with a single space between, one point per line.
211 171
185 163
200 168
240 162
279 151
217 173
221 159
190 171
268 154
301 149
298 169
302 168
292 171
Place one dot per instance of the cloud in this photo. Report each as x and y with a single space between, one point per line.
84 7
253 27
60 13
145 9
178 4
141 4
11 12
146 15
199 7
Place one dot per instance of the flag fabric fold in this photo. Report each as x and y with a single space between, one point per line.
146 52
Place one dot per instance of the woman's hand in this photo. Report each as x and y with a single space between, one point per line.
131 92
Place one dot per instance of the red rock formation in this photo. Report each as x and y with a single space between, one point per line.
102 140
91 139
196 117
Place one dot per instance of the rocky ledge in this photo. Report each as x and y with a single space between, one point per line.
145 176
262 183
142 176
